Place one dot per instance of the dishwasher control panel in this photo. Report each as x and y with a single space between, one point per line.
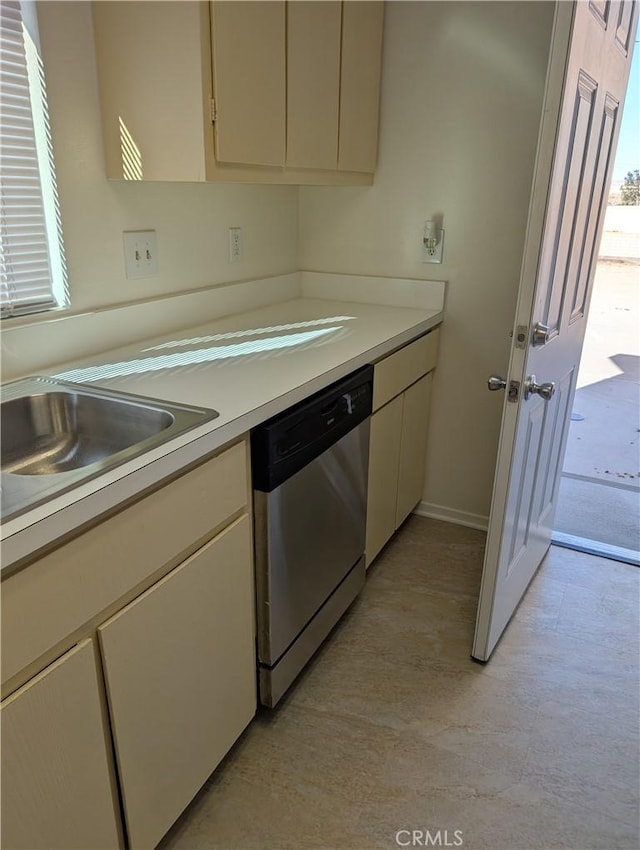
285 443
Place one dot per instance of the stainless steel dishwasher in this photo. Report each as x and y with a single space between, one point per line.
310 470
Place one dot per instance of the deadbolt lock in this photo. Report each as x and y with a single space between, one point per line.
539 335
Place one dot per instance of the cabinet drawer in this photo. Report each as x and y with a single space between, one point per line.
398 371
50 599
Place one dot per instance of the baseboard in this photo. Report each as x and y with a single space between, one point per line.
452 515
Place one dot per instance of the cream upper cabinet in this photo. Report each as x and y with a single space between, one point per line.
360 84
58 791
154 75
248 46
313 83
398 442
254 92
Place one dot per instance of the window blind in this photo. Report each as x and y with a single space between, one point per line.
32 276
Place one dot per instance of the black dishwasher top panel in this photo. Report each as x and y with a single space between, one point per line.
287 442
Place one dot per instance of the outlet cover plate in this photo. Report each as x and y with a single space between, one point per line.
436 257
235 244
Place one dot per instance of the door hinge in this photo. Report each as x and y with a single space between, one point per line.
514 391
214 113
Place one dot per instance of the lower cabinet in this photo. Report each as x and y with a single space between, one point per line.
398 442
180 674
160 596
384 459
57 783
413 447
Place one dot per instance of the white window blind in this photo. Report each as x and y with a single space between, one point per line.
33 275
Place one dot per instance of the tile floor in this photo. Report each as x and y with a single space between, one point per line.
392 727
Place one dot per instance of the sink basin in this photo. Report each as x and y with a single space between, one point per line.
56 436
55 432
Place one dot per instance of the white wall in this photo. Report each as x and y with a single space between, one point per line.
621 235
191 220
461 99
461 96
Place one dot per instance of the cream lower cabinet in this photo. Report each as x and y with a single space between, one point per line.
57 783
164 591
398 442
180 676
413 447
384 459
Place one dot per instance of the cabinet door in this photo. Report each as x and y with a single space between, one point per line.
152 75
360 85
248 44
313 83
56 780
384 456
180 672
413 447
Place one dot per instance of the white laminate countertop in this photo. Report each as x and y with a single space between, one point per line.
248 367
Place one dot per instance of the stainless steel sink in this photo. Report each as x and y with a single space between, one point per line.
56 436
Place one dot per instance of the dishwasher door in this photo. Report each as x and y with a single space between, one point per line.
310 533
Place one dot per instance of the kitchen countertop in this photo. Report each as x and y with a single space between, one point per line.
248 367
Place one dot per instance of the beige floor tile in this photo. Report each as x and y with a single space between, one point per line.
392 726
516 818
579 756
599 575
602 618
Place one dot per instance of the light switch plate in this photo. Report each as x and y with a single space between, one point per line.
140 253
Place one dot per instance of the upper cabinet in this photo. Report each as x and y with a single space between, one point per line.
313 83
249 79
361 65
257 92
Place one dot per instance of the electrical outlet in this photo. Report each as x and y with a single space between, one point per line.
432 242
235 244
140 253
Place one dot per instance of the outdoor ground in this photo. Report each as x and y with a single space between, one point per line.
600 489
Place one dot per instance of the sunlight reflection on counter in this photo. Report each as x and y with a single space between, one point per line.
196 356
197 340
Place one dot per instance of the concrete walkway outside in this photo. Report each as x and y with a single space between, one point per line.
600 490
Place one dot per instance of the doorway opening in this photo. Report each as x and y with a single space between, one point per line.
598 508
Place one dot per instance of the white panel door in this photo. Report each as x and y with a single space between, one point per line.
588 73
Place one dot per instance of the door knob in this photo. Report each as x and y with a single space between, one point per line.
495 382
545 390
